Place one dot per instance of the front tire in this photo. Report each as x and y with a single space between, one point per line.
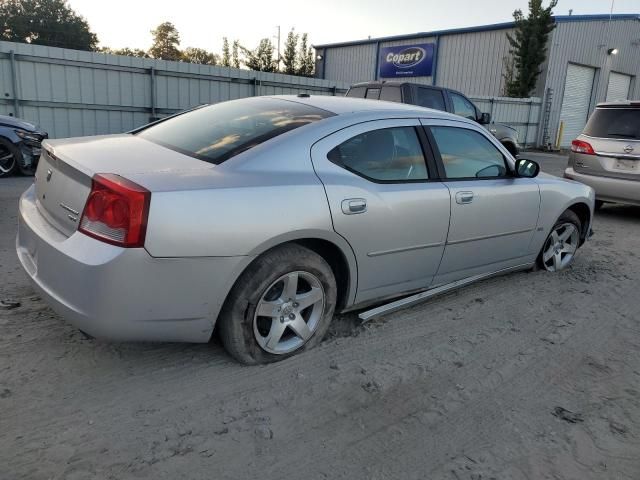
282 304
9 155
560 247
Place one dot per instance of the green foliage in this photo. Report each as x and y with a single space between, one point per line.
235 54
306 63
128 52
199 55
528 48
261 58
166 40
290 56
45 22
226 54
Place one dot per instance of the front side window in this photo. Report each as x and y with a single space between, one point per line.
373 93
462 106
218 132
388 155
468 154
430 98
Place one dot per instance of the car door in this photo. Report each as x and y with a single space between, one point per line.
493 213
385 202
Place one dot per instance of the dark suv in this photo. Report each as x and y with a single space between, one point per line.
438 98
19 146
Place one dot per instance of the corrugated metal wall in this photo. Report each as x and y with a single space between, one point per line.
473 62
350 64
586 43
74 93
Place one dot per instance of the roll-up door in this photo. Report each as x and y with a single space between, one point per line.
618 88
575 102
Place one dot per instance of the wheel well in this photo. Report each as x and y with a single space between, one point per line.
338 263
584 214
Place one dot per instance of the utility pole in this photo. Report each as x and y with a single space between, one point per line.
278 37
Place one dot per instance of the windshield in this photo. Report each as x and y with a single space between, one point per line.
218 132
621 123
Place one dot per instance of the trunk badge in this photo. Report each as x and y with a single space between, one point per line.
628 149
49 173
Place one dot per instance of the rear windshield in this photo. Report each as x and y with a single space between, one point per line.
218 132
614 123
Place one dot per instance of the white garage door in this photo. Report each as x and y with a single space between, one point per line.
575 103
618 88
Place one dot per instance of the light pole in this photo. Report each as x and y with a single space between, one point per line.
278 37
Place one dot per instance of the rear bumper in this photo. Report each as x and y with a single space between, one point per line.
608 189
122 294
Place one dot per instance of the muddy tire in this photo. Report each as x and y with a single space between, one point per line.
560 247
282 304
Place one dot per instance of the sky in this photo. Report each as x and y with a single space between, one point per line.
127 23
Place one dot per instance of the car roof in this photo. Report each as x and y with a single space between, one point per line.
619 104
395 83
345 105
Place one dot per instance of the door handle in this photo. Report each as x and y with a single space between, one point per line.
464 197
351 206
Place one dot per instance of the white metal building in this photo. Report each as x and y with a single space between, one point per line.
590 58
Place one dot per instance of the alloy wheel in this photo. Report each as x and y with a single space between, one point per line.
7 160
560 247
289 312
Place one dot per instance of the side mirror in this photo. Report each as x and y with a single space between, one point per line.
527 168
485 119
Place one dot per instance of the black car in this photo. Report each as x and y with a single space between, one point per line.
20 143
439 98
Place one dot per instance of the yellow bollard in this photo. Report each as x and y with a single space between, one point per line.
560 131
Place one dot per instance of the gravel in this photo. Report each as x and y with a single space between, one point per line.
526 376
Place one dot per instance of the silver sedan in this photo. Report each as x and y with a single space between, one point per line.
264 216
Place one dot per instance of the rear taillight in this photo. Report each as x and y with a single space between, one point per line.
580 146
116 211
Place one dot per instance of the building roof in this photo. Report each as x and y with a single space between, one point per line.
482 28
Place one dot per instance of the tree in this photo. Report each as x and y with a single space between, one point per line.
528 48
126 51
199 55
306 63
289 57
261 58
235 54
45 22
166 40
226 55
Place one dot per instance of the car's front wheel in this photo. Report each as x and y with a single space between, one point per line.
560 248
8 158
282 304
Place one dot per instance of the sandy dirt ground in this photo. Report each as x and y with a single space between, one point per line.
526 376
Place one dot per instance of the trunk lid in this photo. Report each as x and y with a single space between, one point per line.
66 167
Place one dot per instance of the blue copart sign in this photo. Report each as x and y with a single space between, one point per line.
406 61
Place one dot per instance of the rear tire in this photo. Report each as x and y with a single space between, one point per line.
9 155
560 247
282 304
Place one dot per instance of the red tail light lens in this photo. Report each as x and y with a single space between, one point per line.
580 146
116 211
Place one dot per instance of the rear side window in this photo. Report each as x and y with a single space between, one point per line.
218 132
430 98
387 155
373 93
623 123
391 94
357 92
